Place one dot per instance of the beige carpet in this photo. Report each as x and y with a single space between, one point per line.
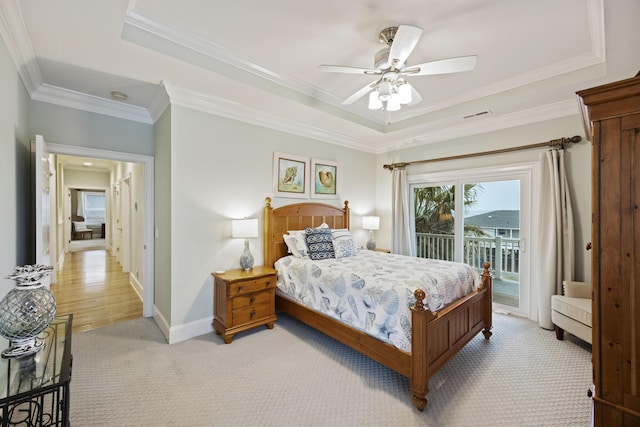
126 375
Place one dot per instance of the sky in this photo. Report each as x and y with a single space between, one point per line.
500 195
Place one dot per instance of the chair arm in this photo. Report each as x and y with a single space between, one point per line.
577 289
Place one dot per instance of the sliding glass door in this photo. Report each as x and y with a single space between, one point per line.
477 218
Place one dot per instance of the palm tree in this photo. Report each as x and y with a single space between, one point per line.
435 212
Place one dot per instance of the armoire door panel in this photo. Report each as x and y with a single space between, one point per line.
613 113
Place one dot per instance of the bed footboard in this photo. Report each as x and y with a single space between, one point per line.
437 337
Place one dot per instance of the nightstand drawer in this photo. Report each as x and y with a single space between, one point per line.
247 300
252 313
247 286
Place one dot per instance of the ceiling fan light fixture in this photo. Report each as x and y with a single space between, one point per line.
404 94
374 101
384 90
393 104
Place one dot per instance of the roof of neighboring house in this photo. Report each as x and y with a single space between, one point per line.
495 219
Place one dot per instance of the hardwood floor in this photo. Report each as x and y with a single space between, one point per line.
92 286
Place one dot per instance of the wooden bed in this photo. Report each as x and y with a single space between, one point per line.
436 337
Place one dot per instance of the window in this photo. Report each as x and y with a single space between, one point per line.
94 204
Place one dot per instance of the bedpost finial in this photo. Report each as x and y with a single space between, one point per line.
346 203
420 296
267 202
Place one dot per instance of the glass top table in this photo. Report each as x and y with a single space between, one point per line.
36 387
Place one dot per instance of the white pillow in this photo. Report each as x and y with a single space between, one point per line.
343 243
292 245
80 225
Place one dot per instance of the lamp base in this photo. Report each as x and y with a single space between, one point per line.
371 244
246 259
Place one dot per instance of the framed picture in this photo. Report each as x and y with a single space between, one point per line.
324 181
290 175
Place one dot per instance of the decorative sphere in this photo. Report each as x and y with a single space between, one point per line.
24 313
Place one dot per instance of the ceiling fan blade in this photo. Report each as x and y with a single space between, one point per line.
344 69
403 44
442 66
359 94
415 96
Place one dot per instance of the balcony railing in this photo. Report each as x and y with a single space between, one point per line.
502 253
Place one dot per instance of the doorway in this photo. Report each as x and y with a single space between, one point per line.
142 278
473 216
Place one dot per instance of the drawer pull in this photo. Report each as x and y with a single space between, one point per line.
239 289
252 315
252 300
267 284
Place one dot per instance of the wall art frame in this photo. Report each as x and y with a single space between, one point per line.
290 176
324 179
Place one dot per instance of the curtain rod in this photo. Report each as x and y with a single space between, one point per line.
553 143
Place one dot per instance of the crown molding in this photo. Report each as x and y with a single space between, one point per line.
16 37
484 125
80 101
159 103
148 24
233 110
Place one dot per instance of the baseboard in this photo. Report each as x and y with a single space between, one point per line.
136 285
190 330
161 322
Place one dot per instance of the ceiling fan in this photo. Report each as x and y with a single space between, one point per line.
391 89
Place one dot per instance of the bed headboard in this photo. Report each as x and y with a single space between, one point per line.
297 216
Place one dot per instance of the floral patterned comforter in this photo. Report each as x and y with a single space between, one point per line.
373 291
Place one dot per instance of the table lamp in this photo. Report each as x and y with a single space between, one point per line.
245 229
371 223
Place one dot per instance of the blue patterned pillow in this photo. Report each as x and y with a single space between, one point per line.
343 244
320 243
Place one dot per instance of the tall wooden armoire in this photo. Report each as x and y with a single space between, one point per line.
612 114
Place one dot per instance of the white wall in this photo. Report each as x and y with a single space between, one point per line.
578 162
86 179
222 169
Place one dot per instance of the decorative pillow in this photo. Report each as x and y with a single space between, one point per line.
80 225
320 243
343 244
292 245
301 242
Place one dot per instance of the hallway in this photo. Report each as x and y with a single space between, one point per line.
92 286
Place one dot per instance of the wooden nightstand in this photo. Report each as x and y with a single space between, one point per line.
243 300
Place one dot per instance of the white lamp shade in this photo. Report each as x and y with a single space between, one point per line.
404 94
244 228
374 102
384 91
371 222
393 104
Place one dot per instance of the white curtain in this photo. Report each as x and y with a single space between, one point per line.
401 239
556 232
80 197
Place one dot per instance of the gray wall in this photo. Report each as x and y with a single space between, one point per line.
162 188
16 235
222 169
68 126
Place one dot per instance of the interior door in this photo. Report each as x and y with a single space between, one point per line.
125 203
44 173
